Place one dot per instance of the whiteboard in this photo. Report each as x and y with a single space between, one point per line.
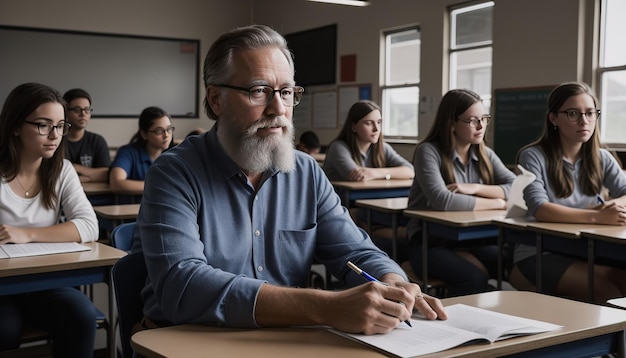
123 74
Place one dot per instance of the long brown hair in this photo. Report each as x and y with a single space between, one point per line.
359 110
452 105
561 180
19 104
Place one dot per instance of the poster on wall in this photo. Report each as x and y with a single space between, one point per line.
325 109
302 114
348 95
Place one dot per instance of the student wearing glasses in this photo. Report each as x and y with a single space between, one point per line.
359 152
456 171
36 185
571 172
155 135
232 219
88 151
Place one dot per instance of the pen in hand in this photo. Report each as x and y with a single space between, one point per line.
600 200
369 277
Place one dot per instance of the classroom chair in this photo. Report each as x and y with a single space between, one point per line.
129 276
122 236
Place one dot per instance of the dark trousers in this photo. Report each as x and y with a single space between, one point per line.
461 276
65 313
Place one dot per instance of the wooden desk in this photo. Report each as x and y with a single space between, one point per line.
117 213
393 206
97 188
34 273
371 189
563 238
454 225
588 330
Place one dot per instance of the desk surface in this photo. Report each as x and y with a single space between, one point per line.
99 255
580 321
458 218
384 205
614 234
117 212
373 184
97 188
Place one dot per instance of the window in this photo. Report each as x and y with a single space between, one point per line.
400 88
612 72
471 40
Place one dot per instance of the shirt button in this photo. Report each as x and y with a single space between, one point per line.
257 233
260 268
256 198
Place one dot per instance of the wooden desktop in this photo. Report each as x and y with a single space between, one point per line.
588 330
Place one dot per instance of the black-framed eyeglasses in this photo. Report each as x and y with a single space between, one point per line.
47 128
78 110
262 95
161 131
574 115
484 120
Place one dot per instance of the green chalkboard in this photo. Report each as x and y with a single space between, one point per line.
519 119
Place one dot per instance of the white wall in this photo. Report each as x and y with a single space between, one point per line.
197 19
536 42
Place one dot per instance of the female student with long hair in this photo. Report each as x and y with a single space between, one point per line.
155 135
456 171
571 171
359 152
37 186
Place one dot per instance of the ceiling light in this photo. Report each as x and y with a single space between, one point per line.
345 2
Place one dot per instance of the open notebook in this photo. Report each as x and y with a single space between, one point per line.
37 248
465 325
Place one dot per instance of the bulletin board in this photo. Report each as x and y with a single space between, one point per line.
519 119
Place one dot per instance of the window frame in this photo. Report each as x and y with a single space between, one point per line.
454 49
385 51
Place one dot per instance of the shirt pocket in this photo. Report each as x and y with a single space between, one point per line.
297 249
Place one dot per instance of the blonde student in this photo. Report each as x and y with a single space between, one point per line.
571 171
36 186
456 171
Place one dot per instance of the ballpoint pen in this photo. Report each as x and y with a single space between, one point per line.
369 277
600 200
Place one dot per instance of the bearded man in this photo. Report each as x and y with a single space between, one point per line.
231 220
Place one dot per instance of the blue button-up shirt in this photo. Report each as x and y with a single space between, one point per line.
211 240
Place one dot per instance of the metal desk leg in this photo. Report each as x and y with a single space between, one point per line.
425 255
539 247
500 245
394 236
591 252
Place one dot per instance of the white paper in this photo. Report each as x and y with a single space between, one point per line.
465 324
516 205
36 249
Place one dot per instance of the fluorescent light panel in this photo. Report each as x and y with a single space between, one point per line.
345 2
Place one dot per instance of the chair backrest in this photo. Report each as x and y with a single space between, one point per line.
129 277
122 236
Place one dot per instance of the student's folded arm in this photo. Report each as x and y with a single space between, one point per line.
428 174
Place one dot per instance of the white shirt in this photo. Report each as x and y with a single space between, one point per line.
31 212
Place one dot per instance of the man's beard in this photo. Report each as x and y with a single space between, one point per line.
255 154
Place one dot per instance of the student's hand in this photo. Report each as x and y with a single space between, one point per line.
464 188
611 214
11 234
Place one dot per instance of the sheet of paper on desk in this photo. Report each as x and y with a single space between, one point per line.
465 324
516 205
36 249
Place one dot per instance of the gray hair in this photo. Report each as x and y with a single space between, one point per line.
218 61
